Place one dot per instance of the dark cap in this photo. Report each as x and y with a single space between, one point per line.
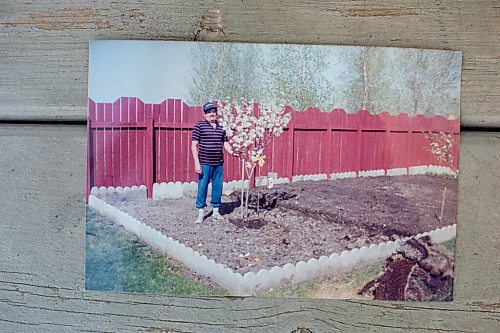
209 106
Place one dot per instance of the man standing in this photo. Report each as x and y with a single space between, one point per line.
207 140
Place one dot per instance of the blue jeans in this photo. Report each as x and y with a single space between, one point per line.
214 173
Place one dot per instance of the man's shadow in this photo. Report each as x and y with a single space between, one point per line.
226 208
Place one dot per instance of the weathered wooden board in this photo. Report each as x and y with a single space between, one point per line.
43 66
42 230
43 77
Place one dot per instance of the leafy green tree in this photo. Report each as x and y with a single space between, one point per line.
377 79
433 81
347 79
402 80
223 71
296 76
367 86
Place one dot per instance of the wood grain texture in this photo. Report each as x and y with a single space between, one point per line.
43 66
43 77
42 230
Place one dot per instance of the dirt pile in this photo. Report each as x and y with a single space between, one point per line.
418 271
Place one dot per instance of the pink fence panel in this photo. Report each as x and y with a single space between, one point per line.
396 150
372 150
335 144
350 141
135 143
396 140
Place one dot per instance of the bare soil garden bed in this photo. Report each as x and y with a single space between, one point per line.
303 220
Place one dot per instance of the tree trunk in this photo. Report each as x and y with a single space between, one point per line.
242 184
248 188
442 205
365 77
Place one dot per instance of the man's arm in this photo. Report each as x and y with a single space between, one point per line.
194 151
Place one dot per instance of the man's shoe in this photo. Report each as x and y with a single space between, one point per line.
201 216
218 217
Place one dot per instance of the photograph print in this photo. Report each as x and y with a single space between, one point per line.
272 170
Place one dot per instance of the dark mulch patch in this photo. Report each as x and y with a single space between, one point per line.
304 220
418 271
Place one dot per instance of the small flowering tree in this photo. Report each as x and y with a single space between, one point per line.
441 145
250 133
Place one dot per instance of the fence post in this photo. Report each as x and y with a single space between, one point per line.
290 157
386 142
359 134
329 136
89 158
409 140
149 155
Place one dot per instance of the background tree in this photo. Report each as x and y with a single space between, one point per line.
346 80
368 82
296 76
224 71
425 81
377 79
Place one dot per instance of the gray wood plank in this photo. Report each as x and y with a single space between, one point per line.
42 229
43 66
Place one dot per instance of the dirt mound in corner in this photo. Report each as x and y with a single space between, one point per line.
419 271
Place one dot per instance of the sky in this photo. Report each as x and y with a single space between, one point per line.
150 70
157 70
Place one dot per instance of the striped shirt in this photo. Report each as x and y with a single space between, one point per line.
210 142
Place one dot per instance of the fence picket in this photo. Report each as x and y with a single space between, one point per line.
124 140
100 147
141 145
108 146
132 143
115 148
161 144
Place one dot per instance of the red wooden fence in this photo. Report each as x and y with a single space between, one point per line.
133 143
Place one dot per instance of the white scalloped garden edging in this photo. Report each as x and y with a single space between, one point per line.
441 170
123 192
343 175
255 283
397 172
313 177
179 189
435 169
372 173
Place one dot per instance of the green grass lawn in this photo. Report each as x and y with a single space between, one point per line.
116 261
343 285
450 246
